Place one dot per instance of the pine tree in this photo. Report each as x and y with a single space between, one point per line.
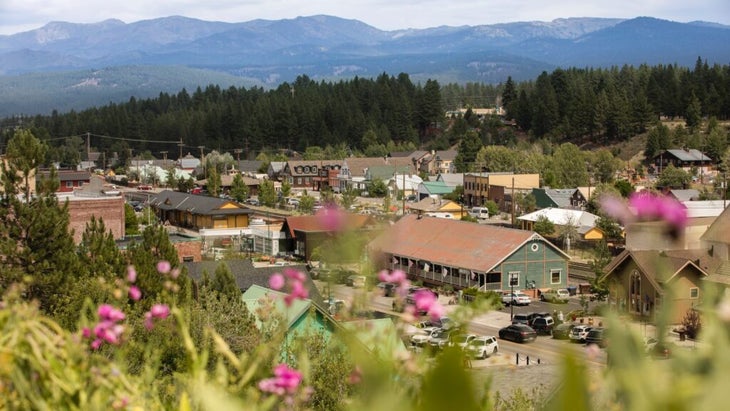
35 241
224 283
239 189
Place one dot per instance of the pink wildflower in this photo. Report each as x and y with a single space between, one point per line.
131 274
157 311
427 301
298 291
134 293
109 332
175 273
160 311
286 381
276 281
96 344
331 217
86 332
108 313
163 267
294 275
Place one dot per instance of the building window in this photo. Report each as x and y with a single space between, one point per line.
299 181
694 292
555 276
513 279
188 259
306 170
69 184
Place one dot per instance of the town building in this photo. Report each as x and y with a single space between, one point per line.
460 254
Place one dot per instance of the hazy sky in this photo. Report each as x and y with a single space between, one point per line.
23 15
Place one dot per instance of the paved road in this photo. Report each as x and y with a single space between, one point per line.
548 350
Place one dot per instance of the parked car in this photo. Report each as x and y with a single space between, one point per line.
533 316
562 331
560 295
543 325
521 319
596 336
516 298
356 281
441 339
482 347
251 201
336 306
388 289
579 333
461 340
481 213
422 338
520 333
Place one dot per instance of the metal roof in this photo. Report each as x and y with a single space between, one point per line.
477 247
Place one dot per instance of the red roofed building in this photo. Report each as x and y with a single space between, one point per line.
441 251
305 233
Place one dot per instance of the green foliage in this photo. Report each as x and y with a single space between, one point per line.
377 188
224 283
348 197
213 183
492 206
673 177
239 189
544 227
306 204
267 194
131 224
467 152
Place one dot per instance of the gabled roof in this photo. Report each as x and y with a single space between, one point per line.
227 181
253 299
246 275
385 172
563 216
68 175
277 166
685 195
661 266
196 204
477 247
451 179
553 197
318 224
690 155
359 165
249 166
433 204
437 187
719 230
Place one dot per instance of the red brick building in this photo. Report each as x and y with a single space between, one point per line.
81 209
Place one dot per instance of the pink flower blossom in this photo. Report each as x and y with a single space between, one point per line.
160 311
108 313
285 381
86 332
276 281
131 274
427 301
157 311
96 344
647 207
163 267
331 217
134 293
175 273
109 332
294 275
298 291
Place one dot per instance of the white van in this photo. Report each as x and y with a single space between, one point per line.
479 212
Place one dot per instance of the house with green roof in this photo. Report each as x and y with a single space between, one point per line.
301 317
433 189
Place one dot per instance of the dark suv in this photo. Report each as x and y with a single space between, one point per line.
543 325
596 336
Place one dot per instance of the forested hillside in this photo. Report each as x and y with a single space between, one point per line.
369 115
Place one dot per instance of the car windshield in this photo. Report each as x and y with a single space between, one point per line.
477 343
441 334
459 339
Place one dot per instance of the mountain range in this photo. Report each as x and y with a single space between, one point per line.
67 66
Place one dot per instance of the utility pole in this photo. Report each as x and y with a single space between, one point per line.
202 159
180 145
238 151
513 201
164 158
88 149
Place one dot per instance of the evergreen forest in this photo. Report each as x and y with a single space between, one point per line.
372 116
